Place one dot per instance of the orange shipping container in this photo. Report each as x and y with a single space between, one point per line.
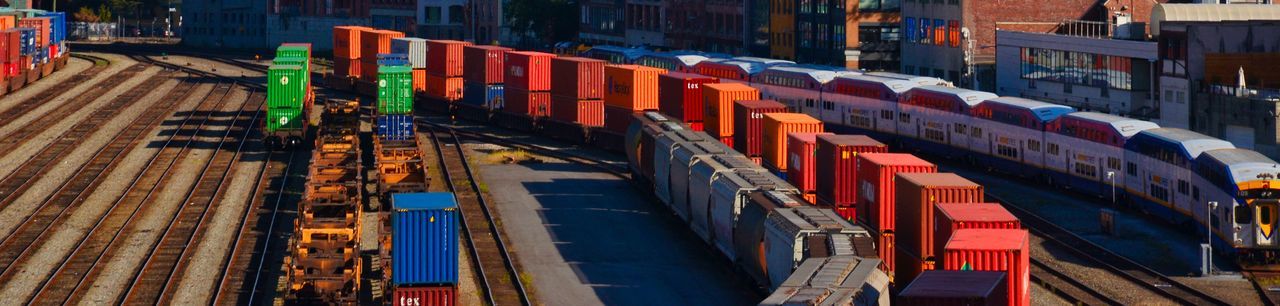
448 89
444 57
346 41
419 80
587 112
776 127
42 29
374 42
632 86
717 103
7 22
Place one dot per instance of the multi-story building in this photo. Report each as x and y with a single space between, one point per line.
645 23
955 39
782 27
725 27
398 15
228 23
759 35
436 19
602 22
485 24
1086 70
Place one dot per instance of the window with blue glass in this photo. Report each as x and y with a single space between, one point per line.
910 25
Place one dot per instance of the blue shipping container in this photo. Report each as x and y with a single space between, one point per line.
57 26
28 41
489 96
395 127
424 239
393 59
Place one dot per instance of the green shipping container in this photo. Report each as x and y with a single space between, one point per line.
293 51
395 90
294 61
284 119
286 87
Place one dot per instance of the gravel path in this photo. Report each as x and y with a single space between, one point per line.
206 263
74 66
117 270
54 176
1098 278
62 240
11 160
1233 288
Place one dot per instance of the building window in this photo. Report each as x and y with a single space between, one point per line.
939 32
910 27
1078 68
953 27
926 29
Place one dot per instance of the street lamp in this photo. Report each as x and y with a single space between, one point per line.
1208 226
1111 176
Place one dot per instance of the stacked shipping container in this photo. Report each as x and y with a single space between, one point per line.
629 89
875 194
1004 250
577 91
374 42
748 124
424 247
917 193
776 126
482 71
836 164
444 70
528 83
346 50
717 108
802 173
680 96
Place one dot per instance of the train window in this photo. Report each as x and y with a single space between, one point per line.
1033 145
977 132
1113 163
1052 148
886 114
1183 187
1264 213
1242 214
1195 193
904 117
1131 168
960 128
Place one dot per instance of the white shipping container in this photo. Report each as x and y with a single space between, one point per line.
786 232
415 47
836 280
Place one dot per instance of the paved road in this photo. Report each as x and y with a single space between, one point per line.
589 238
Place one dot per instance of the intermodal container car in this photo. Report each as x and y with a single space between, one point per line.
951 217
684 160
957 288
618 119
521 101
836 163
577 78
680 96
586 112
701 177
907 266
994 250
443 88
717 107
444 57
748 241
748 125
483 64
395 127
631 86
834 280
776 127
395 90
375 41
415 48
346 41
424 239
801 148
530 71
41 25
917 195
489 96
444 295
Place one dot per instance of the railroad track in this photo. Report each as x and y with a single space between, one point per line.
1270 292
558 153
78 270
498 275
21 178
1068 288
1141 275
238 282
53 211
153 280
33 102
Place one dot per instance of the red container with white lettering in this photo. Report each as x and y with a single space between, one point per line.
444 57
836 163
534 104
483 64
680 96
802 172
528 70
748 124
425 295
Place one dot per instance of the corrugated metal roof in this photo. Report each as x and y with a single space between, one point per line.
1044 111
817 75
969 96
1192 143
1243 165
918 80
767 61
422 200
1126 126
896 85
1169 12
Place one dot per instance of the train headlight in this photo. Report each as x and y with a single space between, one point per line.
1236 228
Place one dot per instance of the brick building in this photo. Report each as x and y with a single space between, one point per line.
602 22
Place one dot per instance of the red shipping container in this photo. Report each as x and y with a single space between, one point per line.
917 194
956 288
908 266
717 107
748 124
7 22
680 96
584 112
776 127
448 89
374 42
577 78
42 29
617 119
728 141
876 173
445 295
444 57
801 173
346 41
994 250
632 86
951 217
483 64
10 51
837 168
520 101
528 70
887 250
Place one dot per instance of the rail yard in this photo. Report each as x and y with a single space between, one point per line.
407 171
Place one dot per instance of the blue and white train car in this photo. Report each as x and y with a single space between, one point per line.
916 79
1014 133
937 118
1082 147
1159 170
615 54
1245 186
799 88
863 104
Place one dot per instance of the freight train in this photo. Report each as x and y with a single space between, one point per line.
289 96
32 46
1175 174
